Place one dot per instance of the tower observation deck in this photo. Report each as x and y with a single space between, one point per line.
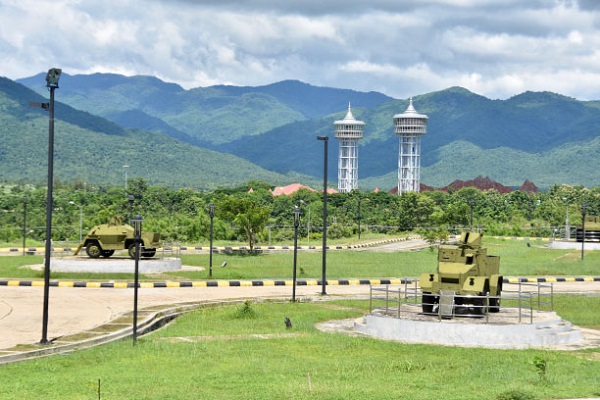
348 131
409 126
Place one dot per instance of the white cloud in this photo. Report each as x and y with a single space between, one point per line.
497 48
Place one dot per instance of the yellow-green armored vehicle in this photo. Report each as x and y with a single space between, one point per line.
464 270
103 240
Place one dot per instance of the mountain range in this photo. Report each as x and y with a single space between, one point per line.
225 135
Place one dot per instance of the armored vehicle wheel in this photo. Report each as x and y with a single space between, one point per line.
131 250
428 302
148 253
481 305
93 250
494 305
107 253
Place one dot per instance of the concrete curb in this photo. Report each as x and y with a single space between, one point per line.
268 282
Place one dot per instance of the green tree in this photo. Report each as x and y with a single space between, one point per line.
247 214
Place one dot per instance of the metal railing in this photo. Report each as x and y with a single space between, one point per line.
407 299
169 250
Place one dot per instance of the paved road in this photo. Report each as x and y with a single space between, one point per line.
73 310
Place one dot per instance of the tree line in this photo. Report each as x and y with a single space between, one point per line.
251 214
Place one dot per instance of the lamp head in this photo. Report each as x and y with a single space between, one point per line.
322 137
211 209
130 198
296 216
52 77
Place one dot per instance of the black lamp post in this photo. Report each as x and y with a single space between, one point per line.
296 223
137 228
325 140
211 214
358 218
471 205
24 222
130 199
80 219
52 84
583 210
125 168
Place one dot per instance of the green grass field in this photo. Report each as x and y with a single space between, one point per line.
517 259
245 352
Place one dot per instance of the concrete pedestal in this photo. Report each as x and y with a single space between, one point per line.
114 265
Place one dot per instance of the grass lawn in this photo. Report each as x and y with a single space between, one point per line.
517 259
245 352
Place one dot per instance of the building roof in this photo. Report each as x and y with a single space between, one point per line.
411 113
349 119
293 188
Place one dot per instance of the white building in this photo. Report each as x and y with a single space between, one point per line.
348 131
409 126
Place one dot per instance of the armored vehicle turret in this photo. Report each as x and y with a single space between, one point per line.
464 270
103 240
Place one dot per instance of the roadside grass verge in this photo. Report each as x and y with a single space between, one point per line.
215 353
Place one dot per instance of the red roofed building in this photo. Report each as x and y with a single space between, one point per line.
293 188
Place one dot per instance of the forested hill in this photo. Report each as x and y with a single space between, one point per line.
544 137
93 150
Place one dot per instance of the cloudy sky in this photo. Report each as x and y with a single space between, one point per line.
497 48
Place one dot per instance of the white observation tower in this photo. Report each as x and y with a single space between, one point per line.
348 131
409 126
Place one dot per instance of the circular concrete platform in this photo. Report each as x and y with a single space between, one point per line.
114 265
504 330
573 245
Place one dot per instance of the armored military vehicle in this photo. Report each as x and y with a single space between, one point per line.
103 240
592 229
464 270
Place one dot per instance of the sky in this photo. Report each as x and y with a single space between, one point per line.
496 48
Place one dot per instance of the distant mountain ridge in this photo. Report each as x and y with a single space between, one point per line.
545 137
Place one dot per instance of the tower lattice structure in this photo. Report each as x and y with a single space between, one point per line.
409 126
348 131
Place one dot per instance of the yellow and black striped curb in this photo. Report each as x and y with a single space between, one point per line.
190 284
532 239
259 283
41 250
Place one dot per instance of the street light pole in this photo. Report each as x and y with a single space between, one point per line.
307 222
80 219
24 222
359 218
130 199
211 214
325 140
583 210
471 204
126 167
137 227
567 227
51 83
296 223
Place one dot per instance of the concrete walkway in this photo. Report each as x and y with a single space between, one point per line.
73 310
